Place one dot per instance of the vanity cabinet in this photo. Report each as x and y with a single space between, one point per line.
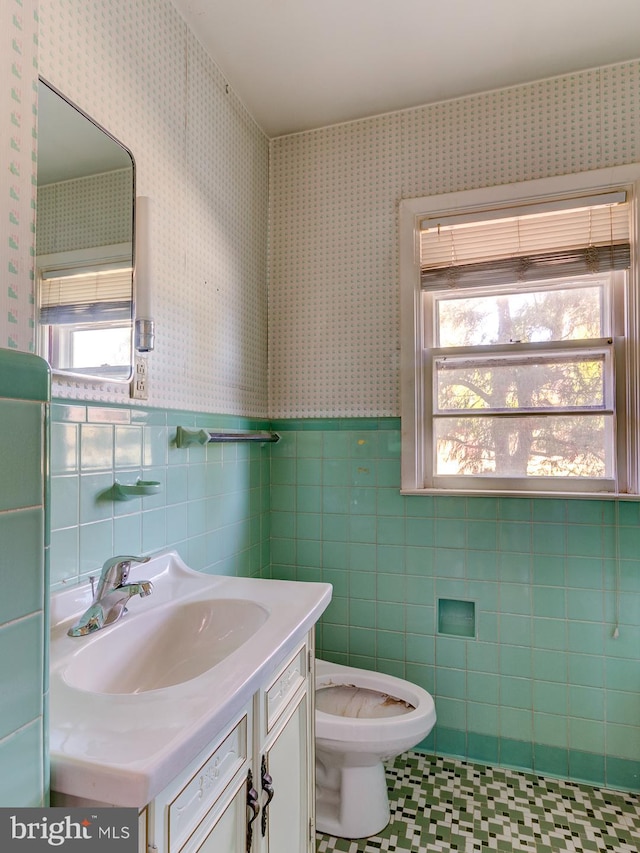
252 790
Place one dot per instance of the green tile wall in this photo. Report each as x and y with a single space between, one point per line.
24 390
212 506
544 685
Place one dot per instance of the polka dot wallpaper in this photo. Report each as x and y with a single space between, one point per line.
333 299
138 70
18 66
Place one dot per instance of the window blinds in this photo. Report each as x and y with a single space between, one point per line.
528 243
99 295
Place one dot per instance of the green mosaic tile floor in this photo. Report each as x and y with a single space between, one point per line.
440 805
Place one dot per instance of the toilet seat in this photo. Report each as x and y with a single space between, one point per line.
364 729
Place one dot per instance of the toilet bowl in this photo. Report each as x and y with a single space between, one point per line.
363 718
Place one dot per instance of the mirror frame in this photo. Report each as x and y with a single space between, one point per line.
62 373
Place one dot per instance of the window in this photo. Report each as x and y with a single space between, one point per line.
520 338
85 313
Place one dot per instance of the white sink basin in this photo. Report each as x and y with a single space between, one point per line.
172 645
133 703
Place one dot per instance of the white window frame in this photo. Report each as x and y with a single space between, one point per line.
59 337
416 420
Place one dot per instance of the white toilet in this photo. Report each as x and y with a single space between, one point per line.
362 719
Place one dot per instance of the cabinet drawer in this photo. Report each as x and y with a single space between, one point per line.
193 801
282 688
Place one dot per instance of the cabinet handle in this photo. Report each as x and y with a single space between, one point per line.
252 803
267 785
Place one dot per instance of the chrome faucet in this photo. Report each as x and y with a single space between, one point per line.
110 598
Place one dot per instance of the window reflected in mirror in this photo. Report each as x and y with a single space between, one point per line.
84 244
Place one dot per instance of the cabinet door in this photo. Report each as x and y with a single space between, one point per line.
285 821
225 829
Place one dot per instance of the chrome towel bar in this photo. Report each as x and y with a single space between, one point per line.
187 437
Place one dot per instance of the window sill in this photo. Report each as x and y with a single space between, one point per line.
502 493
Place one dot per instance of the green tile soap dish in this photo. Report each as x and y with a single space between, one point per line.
140 489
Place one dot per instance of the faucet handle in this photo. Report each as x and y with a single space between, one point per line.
115 572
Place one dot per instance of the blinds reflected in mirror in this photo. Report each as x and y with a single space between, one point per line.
81 295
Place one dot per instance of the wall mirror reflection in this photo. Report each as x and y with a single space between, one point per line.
84 244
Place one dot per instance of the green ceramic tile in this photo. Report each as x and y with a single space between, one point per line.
515 660
482 535
587 735
308 498
335 555
586 767
391 587
548 570
335 473
21 667
65 497
362 557
308 525
586 702
550 697
482 747
96 544
24 376
420 649
514 568
514 536
483 687
96 497
363 529
515 630
309 553
622 773
335 499
96 447
550 760
549 539
584 540
481 657
25 785
390 645
586 670
419 532
21 544
549 665
622 674
390 616
21 424
449 533
64 452
127 534
515 598
549 601
516 723
309 444
390 559
451 683
585 512
516 753
549 633
515 692
451 741
622 707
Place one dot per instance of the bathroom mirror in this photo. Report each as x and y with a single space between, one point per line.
84 244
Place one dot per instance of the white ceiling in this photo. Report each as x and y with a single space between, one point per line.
302 64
